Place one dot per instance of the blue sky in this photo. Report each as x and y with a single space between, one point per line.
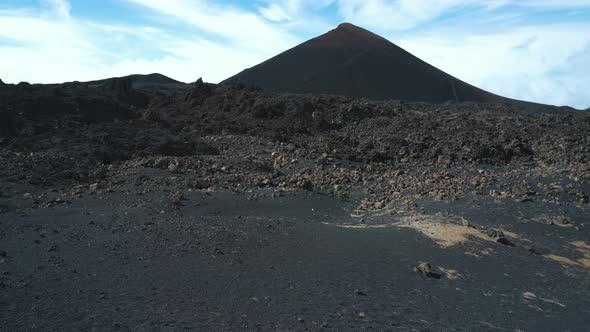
536 50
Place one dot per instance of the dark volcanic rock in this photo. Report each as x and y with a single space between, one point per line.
425 269
179 148
198 93
136 81
499 237
87 123
285 202
121 85
354 62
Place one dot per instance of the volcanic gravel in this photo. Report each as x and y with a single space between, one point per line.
167 206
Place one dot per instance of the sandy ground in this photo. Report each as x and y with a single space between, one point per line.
283 262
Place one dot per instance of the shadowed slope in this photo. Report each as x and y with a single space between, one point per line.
355 62
139 81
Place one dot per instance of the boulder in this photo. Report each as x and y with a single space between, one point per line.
425 269
499 237
198 93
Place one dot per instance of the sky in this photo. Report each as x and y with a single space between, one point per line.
535 50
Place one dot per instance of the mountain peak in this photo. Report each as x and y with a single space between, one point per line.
348 34
355 62
346 25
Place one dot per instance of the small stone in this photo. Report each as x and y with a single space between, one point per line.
537 251
499 237
177 198
93 187
581 196
465 222
522 190
307 185
560 221
360 292
173 166
424 268
495 233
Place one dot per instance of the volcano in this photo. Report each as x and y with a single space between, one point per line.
354 62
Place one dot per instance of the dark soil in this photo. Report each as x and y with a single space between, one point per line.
230 208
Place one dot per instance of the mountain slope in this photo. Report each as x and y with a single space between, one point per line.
355 62
139 81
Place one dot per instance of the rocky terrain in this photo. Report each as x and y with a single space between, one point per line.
145 203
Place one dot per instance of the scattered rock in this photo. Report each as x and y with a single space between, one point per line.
306 185
425 269
537 251
499 237
465 222
199 92
174 166
581 196
177 198
522 190
93 187
562 221
359 292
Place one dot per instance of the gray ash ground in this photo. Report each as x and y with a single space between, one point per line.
227 208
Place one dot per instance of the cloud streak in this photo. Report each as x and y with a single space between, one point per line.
533 63
534 50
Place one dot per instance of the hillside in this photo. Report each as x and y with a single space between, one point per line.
354 62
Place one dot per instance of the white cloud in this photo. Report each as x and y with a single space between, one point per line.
401 14
543 63
529 63
45 46
60 7
240 28
562 4
274 12
408 14
289 10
